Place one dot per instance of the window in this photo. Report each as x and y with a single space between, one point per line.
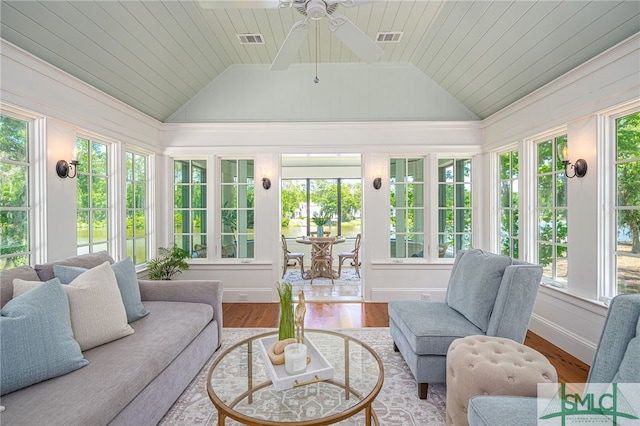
92 196
340 199
190 204
136 207
407 207
551 210
627 208
237 213
454 206
15 206
508 204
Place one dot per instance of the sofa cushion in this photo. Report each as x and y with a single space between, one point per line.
36 339
97 312
118 371
88 261
429 326
629 370
6 281
474 285
127 279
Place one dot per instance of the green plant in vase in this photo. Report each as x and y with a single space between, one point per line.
320 221
170 261
287 325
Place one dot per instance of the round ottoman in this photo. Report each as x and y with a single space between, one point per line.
485 365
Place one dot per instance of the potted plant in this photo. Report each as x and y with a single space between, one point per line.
320 221
170 261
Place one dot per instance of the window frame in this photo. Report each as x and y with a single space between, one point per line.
149 177
111 187
30 165
219 229
425 199
339 181
607 196
207 214
437 209
510 207
552 136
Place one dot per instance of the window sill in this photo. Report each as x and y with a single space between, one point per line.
563 294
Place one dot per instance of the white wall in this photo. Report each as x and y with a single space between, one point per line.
390 92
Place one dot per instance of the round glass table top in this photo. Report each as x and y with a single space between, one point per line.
240 387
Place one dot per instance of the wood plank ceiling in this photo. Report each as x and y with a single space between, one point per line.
156 54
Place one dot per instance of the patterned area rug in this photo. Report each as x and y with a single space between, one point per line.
396 404
347 277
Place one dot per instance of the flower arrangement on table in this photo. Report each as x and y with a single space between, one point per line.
321 220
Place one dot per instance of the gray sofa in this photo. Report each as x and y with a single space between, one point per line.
487 294
133 380
617 360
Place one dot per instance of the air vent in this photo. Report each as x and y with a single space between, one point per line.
250 38
389 37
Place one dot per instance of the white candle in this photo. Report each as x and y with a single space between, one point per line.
295 358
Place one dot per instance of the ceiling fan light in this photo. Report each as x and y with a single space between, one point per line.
316 9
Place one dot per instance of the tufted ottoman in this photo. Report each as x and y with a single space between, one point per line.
484 365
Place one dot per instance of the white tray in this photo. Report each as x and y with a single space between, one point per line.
318 369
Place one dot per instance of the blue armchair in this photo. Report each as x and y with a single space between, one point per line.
617 360
487 294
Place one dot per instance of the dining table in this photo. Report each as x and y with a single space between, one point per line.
322 271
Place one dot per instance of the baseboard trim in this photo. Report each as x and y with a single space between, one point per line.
566 340
387 294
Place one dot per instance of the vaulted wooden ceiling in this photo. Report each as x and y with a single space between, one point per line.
155 55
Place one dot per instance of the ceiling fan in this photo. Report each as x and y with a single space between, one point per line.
313 10
346 31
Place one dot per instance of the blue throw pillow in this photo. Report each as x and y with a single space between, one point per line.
127 279
36 340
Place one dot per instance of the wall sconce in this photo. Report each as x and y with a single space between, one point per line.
266 182
377 181
64 169
580 166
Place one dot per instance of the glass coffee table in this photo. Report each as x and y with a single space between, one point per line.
240 387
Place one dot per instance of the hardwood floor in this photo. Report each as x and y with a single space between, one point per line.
357 315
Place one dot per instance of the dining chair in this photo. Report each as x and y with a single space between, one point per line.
199 250
353 254
321 256
298 257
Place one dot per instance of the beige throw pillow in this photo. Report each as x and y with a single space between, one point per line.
98 315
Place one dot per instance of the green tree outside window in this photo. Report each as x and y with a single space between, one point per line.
15 208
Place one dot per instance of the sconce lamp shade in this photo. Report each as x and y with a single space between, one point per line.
580 166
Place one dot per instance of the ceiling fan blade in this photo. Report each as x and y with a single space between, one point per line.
354 38
239 4
291 45
351 3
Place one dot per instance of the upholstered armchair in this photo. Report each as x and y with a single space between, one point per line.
487 294
617 360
